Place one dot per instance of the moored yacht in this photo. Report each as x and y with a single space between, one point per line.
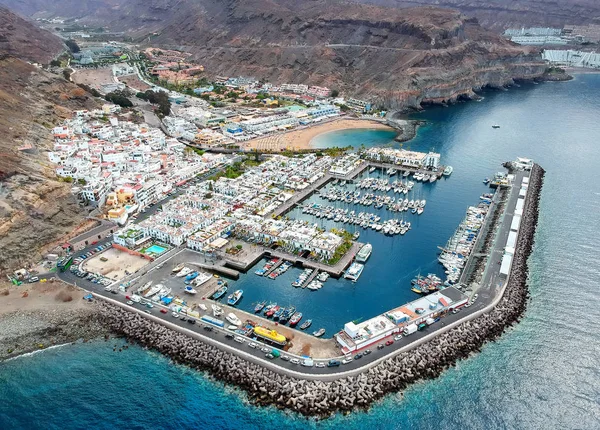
354 271
365 252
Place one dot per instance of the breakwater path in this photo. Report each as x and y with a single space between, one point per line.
314 391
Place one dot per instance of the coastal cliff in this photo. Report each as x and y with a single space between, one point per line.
322 398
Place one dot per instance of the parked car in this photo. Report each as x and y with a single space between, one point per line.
252 345
320 365
175 315
239 339
163 311
398 337
389 342
265 350
228 336
333 363
129 302
208 328
347 360
33 279
285 358
358 356
380 346
295 361
367 352
269 356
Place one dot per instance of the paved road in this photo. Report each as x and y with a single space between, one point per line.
487 294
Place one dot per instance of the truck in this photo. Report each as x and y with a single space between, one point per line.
429 321
410 329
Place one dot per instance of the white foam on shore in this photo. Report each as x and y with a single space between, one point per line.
32 353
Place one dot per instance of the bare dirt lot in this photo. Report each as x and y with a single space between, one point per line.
117 263
93 77
134 82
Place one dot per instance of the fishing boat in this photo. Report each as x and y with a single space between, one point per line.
260 306
189 290
354 271
448 170
295 319
306 324
365 252
277 314
268 308
495 126
235 297
219 293
272 311
319 332
287 314
177 268
419 210
233 319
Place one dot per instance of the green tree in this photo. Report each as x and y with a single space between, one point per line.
335 93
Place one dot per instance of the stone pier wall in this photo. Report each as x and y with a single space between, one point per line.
320 398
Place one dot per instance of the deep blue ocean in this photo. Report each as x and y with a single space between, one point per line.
543 373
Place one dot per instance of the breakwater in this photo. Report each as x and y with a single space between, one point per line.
321 398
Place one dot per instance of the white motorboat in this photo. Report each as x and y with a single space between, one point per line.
233 319
184 272
144 287
202 306
153 290
354 271
217 310
189 290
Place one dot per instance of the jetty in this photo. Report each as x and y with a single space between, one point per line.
275 267
308 280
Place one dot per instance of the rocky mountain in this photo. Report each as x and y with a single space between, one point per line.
495 14
502 14
35 209
397 57
25 40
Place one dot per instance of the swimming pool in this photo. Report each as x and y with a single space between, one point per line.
155 249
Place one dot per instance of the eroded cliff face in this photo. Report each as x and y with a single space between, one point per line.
35 209
396 58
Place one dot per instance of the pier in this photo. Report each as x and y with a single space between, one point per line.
308 280
275 266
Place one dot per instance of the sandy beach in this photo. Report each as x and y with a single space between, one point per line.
301 138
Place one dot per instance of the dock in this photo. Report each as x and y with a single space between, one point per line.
308 280
275 267
219 269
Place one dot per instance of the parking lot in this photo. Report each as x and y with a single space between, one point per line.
117 265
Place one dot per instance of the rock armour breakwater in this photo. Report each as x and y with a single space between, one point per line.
320 398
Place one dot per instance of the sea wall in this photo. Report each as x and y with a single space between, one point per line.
322 398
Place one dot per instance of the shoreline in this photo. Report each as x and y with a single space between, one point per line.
300 139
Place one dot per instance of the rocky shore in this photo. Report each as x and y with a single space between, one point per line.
22 332
321 399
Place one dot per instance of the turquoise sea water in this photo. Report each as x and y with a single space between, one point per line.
541 374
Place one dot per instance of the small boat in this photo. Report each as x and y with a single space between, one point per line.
354 271
233 319
356 235
144 287
486 181
323 276
365 252
272 311
153 290
448 170
306 324
232 327
219 293
260 306
189 290
495 126
295 319
183 272
319 332
372 169
177 268
202 306
235 297
217 310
